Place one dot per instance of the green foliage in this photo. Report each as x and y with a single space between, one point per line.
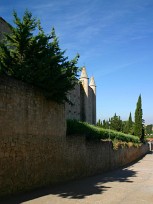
37 59
149 136
130 123
149 130
139 128
116 123
94 132
128 126
99 123
125 127
105 124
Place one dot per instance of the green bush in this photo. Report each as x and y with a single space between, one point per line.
94 132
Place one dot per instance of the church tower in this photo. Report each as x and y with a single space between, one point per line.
93 100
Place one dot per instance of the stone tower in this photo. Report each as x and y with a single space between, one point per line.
84 95
93 100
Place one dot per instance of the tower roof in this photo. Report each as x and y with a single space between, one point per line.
83 73
92 82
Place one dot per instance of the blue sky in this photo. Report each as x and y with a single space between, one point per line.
115 43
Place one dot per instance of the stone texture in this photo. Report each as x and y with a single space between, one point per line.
4 28
30 128
34 149
83 98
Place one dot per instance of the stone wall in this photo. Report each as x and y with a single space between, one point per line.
84 105
73 112
4 28
34 149
92 106
30 127
87 158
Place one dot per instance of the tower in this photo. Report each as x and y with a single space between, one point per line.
84 95
93 100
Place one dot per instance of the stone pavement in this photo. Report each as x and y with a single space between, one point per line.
128 185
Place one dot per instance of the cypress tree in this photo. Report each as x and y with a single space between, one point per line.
130 124
138 127
99 123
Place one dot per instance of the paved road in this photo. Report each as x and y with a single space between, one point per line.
129 185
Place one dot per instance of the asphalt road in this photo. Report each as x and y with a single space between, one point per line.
128 185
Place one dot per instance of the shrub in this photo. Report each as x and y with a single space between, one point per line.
94 132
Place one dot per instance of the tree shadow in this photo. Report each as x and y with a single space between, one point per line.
94 185
76 189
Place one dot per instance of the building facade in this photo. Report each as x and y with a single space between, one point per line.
83 98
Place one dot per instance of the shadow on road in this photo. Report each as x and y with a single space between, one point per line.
76 189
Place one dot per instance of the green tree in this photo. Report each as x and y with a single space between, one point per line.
99 123
125 127
139 127
130 125
37 59
105 124
149 129
116 123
